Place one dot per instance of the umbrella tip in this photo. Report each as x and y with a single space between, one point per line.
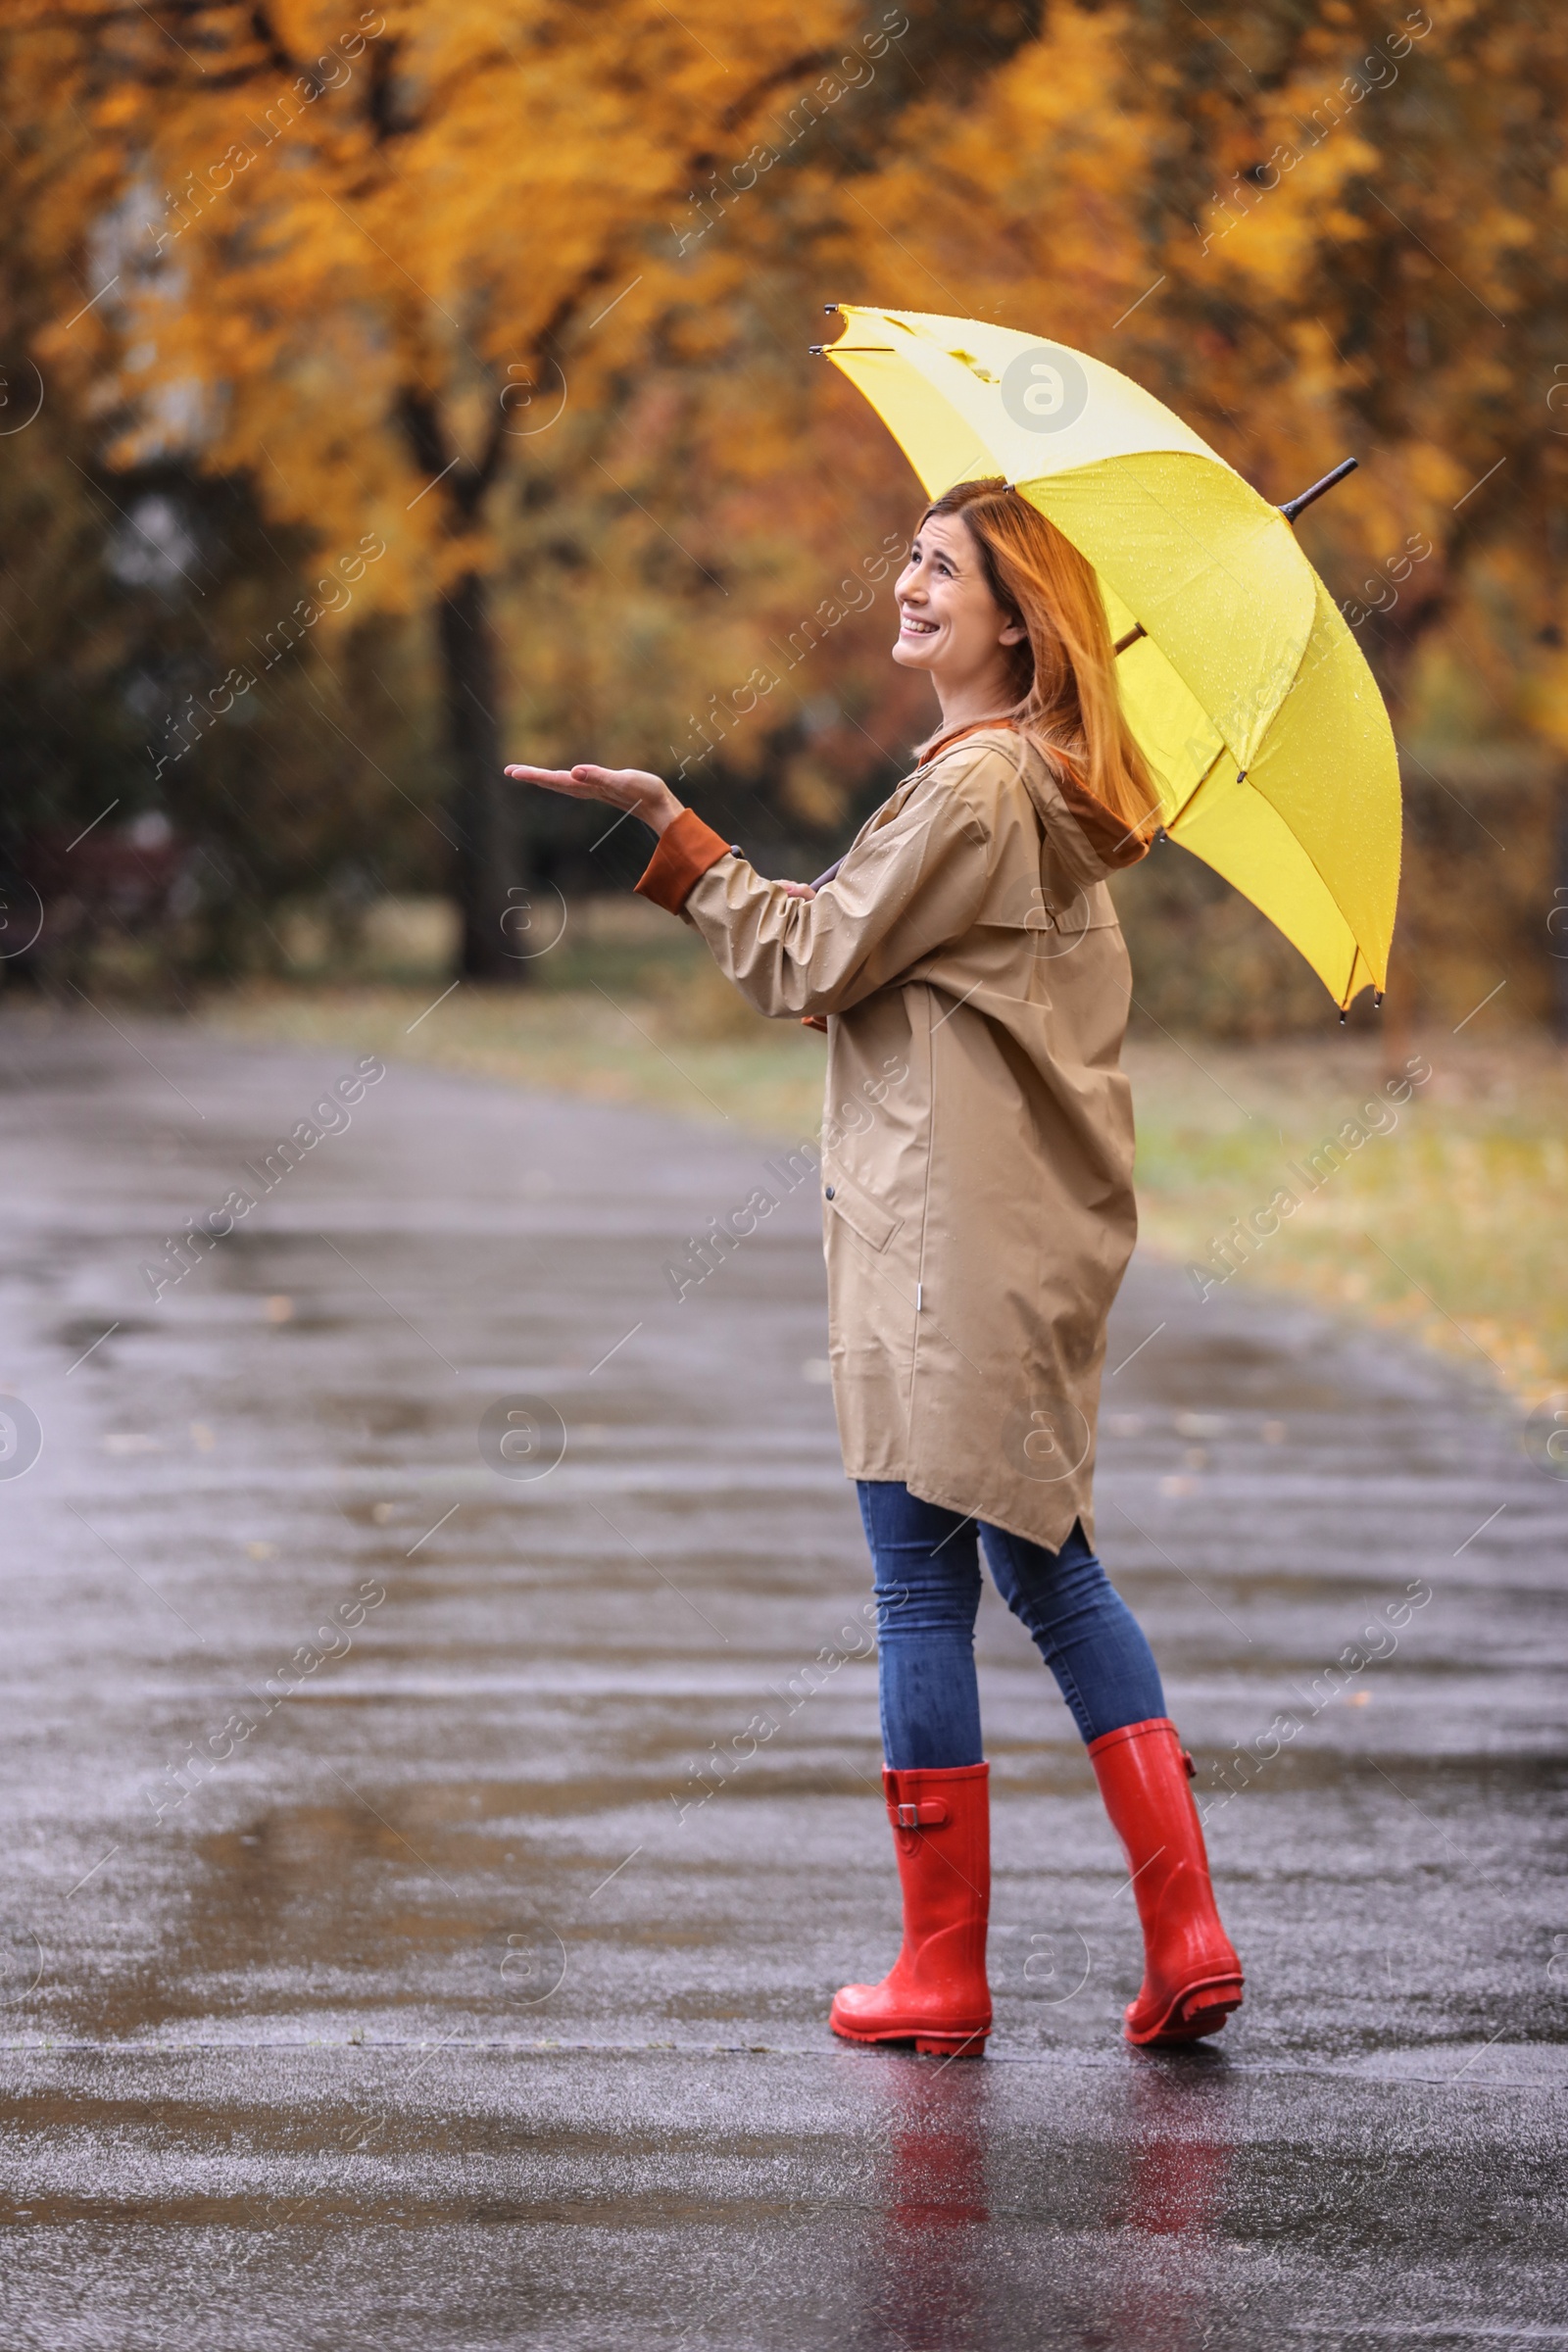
830 310
1293 506
1344 1014
1377 999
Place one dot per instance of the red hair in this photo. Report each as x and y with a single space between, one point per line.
1067 699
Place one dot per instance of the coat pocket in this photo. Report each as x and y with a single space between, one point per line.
864 1215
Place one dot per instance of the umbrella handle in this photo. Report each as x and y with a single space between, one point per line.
1291 509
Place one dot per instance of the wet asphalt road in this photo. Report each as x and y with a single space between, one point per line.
467 1998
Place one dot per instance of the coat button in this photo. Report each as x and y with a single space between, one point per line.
829 1193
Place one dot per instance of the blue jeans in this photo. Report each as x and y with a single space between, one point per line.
928 1591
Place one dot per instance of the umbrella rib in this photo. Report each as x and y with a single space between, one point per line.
1291 509
1179 525
1139 631
1244 776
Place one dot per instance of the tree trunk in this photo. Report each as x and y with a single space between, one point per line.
484 813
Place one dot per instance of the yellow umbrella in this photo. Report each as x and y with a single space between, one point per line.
1258 715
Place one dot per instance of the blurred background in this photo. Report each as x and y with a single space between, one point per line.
388 392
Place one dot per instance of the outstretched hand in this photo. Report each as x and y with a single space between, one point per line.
632 789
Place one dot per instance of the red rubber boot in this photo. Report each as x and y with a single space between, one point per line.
1191 1976
935 1994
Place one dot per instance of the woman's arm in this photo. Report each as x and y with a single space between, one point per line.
911 885
635 790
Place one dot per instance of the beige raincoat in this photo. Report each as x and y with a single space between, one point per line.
977 1143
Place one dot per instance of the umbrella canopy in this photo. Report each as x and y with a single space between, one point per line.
1266 732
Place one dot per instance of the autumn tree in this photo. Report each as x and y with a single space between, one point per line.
557 373
372 261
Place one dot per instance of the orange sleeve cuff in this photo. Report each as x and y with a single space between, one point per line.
686 850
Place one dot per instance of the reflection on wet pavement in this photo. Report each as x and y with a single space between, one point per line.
431 1852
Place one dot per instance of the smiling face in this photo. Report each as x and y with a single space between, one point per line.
950 623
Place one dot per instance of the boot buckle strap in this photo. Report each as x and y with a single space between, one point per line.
928 1814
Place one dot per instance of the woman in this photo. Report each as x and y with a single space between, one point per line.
978 1214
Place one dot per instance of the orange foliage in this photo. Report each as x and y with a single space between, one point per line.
523 288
